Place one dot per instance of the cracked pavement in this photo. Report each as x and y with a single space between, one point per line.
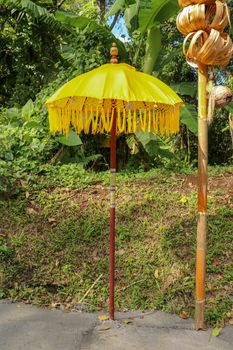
26 327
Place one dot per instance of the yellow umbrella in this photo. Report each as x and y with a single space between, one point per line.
114 98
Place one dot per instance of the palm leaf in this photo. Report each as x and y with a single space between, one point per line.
185 88
153 46
29 6
188 116
156 12
154 146
119 5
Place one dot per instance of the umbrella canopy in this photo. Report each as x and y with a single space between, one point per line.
88 102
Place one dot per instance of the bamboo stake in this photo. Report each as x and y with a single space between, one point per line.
89 290
202 196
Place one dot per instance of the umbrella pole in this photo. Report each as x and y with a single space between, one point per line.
112 218
202 196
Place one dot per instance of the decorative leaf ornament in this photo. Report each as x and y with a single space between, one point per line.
213 49
203 23
184 3
200 16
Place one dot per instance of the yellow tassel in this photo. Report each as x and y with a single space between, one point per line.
79 122
157 122
149 121
129 122
67 121
95 121
111 120
134 121
143 121
85 126
162 121
164 124
53 120
104 121
89 121
125 119
99 125
121 121
59 119
141 116
154 121
140 119
108 122
171 124
73 118
168 123
178 118
101 128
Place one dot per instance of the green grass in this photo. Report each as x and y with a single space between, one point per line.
54 241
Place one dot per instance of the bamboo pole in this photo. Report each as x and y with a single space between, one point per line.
202 196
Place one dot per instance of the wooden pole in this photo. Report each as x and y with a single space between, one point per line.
112 218
114 60
202 196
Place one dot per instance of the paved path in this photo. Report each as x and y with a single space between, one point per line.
25 327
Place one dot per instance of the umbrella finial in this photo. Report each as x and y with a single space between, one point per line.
114 54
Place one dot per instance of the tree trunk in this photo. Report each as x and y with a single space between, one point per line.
102 7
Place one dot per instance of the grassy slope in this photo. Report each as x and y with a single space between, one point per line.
54 242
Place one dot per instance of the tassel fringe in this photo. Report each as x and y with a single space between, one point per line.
147 117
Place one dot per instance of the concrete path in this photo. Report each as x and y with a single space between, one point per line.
25 327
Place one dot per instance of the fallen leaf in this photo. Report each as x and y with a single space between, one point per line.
231 321
228 314
184 314
156 273
104 328
18 306
27 194
184 200
127 321
103 317
30 211
51 220
54 305
216 331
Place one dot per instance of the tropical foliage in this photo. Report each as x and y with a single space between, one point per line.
44 43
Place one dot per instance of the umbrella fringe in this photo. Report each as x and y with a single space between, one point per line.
164 121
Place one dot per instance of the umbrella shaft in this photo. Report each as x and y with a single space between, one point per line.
112 218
